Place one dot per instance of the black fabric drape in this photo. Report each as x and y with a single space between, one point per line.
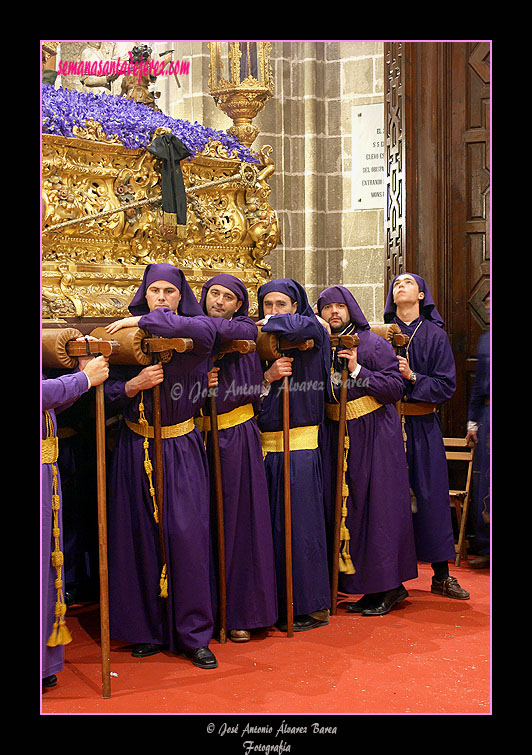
170 150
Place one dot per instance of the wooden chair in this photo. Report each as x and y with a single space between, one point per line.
457 449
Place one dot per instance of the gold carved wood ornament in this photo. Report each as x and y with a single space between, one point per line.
93 268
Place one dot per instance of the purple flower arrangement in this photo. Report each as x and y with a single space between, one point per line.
133 123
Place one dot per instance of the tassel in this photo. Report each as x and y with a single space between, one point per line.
169 219
345 564
163 583
60 634
148 466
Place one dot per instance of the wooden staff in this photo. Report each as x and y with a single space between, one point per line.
104 348
392 333
270 347
160 350
243 347
102 543
339 342
287 510
219 518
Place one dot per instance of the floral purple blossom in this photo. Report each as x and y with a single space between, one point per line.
133 123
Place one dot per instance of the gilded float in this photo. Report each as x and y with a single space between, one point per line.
106 200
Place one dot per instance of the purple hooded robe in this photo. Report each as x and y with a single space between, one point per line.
379 516
184 620
311 589
431 358
249 564
57 395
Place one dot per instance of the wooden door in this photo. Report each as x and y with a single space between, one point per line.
437 116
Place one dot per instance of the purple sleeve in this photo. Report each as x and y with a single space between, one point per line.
239 328
439 384
295 327
115 388
384 382
59 393
167 324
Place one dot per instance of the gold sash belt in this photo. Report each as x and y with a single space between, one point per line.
419 407
167 431
301 439
229 419
354 409
50 450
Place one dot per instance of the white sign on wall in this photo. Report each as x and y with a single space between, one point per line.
368 168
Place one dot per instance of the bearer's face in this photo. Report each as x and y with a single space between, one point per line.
406 290
337 315
221 302
163 294
276 303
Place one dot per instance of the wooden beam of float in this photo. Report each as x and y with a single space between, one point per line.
137 346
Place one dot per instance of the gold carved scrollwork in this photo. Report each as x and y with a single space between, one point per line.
92 268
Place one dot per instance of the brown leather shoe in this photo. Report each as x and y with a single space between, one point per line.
239 635
450 588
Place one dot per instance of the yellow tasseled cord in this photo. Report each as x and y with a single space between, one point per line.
148 466
345 563
60 634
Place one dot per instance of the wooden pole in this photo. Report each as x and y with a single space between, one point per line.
339 491
102 542
287 510
219 519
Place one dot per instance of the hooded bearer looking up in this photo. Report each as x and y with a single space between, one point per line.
429 379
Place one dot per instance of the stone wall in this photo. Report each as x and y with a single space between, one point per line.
326 240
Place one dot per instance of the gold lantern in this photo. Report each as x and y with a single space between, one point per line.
248 87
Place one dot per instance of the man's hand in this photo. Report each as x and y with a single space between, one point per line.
471 437
96 369
147 378
125 322
351 356
213 377
281 368
404 368
85 359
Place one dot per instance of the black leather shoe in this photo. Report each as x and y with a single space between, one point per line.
49 681
366 601
303 623
388 601
203 658
144 649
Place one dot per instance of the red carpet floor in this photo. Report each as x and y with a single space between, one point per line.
429 655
